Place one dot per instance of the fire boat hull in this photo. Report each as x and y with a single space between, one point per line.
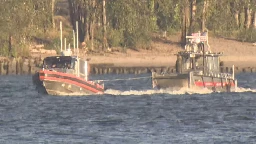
57 83
214 83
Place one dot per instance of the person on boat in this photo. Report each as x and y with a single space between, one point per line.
53 65
45 66
69 66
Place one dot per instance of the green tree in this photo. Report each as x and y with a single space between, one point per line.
168 15
20 20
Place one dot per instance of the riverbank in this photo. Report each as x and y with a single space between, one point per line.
130 61
240 54
161 57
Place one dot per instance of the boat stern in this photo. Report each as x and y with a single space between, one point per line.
163 81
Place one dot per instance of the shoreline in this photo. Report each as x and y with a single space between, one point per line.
169 61
126 65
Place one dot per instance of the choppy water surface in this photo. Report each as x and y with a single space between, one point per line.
130 112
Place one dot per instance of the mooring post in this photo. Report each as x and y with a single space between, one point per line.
21 66
17 66
7 67
29 66
1 67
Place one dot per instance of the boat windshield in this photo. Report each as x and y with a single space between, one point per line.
57 62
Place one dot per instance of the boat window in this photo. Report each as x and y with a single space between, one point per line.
73 63
57 62
186 63
212 63
199 63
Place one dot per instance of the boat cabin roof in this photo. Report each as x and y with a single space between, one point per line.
58 58
64 58
189 54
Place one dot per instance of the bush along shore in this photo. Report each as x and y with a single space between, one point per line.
26 66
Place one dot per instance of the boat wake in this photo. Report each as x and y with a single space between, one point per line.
241 89
174 91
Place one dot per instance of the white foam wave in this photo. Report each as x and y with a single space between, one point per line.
241 89
174 91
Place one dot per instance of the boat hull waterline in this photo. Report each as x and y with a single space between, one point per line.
58 83
216 84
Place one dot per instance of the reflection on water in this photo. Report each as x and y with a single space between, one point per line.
129 112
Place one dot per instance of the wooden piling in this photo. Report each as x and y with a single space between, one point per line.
17 66
100 70
252 70
29 66
116 71
25 66
244 70
7 67
21 63
1 67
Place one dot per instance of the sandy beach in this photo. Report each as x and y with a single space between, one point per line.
240 54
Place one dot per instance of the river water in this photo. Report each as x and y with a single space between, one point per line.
130 112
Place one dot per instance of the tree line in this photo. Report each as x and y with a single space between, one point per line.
124 23
20 21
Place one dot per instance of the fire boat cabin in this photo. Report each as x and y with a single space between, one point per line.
208 62
66 75
196 66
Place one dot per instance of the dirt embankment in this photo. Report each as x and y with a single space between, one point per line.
163 52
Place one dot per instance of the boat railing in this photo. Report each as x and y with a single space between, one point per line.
199 37
214 74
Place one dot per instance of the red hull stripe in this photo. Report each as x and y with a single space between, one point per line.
71 82
84 82
62 74
217 84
